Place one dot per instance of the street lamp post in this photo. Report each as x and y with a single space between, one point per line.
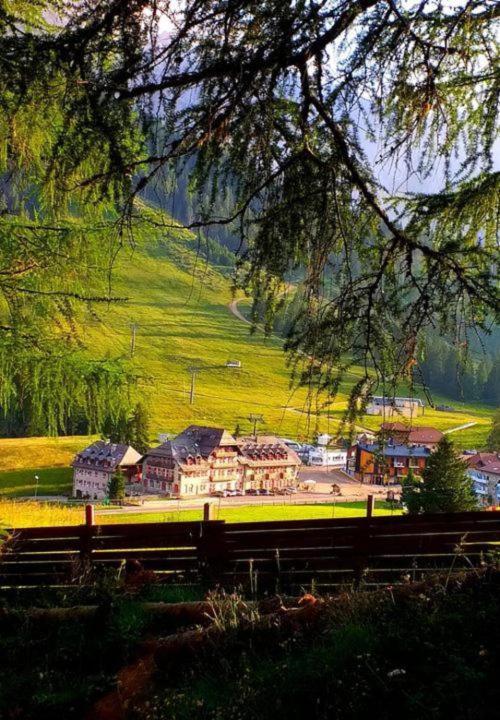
37 479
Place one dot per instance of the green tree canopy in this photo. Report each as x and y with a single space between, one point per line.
116 487
272 103
446 485
128 427
494 436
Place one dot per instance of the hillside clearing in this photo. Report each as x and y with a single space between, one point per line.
179 305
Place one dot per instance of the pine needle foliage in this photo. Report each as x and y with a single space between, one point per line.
270 104
445 485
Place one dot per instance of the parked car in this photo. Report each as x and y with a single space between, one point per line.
218 493
233 493
264 491
290 491
251 491
445 408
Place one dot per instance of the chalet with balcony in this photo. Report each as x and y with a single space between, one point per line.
267 463
94 466
199 461
380 464
202 460
484 469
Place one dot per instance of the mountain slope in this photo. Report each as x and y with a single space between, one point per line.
179 305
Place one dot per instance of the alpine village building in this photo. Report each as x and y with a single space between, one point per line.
94 467
203 460
398 448
484 470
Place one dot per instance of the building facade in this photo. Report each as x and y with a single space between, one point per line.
199 461
398 448
385 464
484 469
391 406
267 464
94 467
203 460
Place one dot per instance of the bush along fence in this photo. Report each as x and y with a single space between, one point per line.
255 557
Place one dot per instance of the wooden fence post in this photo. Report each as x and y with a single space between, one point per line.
208 512
212 557
89 515
370 505
86 539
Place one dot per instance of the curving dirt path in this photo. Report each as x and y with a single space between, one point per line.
459 427
233 308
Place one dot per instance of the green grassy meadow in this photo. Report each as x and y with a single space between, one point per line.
52 481
179 305
29 513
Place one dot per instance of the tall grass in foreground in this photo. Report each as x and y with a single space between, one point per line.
35 514
29 513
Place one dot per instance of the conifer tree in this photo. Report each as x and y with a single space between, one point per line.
446 486
116 486
410 492
261 102
117 429
139 428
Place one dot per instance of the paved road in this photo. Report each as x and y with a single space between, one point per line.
351 490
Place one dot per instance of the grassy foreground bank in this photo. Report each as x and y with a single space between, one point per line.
28 513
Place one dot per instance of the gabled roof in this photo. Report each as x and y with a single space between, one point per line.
488 462
394 427
424 435
202 440
196 440
397 450
492 467
107 455
421 434
254 450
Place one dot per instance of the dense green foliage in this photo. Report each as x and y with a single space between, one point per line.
116 487
426 653
263 104
129 428
494 436
445 485
396 655
458 373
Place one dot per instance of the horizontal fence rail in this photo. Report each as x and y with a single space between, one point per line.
282 556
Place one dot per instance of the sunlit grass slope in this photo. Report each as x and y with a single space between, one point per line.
179 306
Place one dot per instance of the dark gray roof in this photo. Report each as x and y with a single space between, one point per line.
104 454
397 450
194 440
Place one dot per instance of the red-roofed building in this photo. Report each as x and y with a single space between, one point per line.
484 469
400 433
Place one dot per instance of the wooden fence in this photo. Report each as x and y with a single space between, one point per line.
287 556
